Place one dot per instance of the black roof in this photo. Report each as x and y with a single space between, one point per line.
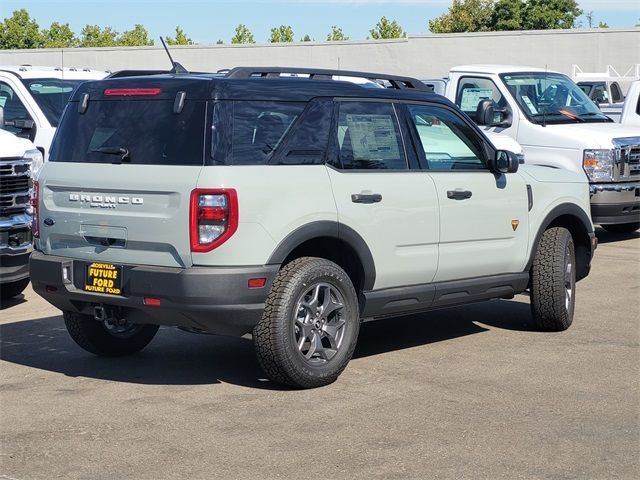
213 86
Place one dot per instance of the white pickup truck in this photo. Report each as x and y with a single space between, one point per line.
559 126
631 110
33 99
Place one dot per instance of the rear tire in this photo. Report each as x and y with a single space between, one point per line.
13 289
622 227
310 324
94 337
553 281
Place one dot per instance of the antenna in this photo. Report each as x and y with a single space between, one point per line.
177 68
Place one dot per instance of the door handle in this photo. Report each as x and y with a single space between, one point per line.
459 194
366 197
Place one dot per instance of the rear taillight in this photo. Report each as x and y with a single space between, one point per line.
35 200
213 218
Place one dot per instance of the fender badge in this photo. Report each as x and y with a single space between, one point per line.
514 224
49 222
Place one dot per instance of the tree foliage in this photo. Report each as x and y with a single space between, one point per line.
20 31
243 35
306 38
180 38
336 35
59 35
464 16
281 34
491 15
137 37
385 29
95 36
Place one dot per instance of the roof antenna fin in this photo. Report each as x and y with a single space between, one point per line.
177 68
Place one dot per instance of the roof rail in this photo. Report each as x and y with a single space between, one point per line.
395 81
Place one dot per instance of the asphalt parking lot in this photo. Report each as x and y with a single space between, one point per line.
470 392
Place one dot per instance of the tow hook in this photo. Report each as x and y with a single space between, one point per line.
108 316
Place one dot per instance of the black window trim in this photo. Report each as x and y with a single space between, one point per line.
486 147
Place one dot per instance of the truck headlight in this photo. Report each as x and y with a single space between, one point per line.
35 156
598 165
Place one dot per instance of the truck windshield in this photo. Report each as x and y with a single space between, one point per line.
51 95
551 98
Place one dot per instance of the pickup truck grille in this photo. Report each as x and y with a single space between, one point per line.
627 159
15 186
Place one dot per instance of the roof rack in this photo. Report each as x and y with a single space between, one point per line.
395 81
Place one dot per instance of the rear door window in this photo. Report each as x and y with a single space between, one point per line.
368 137
132 131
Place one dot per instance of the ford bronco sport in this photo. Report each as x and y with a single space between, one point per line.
292 209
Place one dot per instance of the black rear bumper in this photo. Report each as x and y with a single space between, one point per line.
14 268
212 299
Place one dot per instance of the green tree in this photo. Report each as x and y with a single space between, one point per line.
20 31
306 38
466 16
59 35
243 35
550 14
281 34
180 38
387 29
507 15
138 37
603 25
94 36
336 35
220 42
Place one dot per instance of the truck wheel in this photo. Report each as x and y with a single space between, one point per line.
553 281
10 290
95 337
622 227
310 324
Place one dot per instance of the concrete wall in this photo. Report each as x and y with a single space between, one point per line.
423 56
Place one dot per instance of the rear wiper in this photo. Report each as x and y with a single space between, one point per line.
123 152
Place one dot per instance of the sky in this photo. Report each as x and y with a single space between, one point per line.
207 21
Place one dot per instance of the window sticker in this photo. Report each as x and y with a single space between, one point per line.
373 137
527 101
471 97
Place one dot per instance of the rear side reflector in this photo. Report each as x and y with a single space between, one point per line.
152 302
257 282
131 92
213 217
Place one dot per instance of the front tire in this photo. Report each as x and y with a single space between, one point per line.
622 227
553 281
13 289
310 325
96 338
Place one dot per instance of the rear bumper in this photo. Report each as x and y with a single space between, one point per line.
212 299
615 203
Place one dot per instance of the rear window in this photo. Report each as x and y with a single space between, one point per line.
144 132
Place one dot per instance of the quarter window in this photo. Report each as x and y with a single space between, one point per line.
447 141
368 137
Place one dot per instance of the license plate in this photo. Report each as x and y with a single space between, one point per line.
104 278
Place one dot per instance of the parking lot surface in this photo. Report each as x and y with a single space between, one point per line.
472 392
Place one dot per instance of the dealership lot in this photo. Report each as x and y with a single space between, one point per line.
470 392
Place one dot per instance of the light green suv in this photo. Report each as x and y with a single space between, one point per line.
292 208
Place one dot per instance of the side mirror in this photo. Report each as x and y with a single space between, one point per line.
487 114
21 123
505 162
